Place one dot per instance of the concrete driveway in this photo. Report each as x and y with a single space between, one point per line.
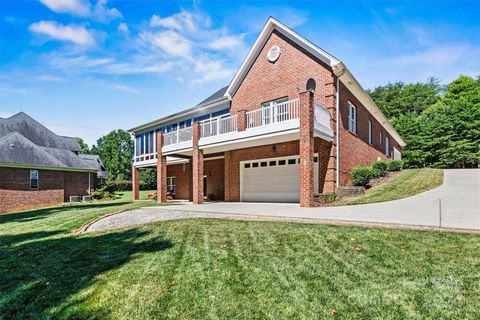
455 204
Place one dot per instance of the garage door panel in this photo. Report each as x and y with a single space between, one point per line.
278 183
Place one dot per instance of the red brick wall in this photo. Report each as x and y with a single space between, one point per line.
233 158
267 81
213 169
354 148
54 188
182 173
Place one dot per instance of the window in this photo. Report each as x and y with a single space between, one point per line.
247 165
387 147
292 161
171 185
369 132
352 118
34 179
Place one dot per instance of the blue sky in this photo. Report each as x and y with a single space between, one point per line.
85 67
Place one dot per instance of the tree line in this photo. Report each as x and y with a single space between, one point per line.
440 124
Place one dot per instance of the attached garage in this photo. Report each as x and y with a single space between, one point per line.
273 180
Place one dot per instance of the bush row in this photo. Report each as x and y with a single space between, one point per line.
126 185
361 176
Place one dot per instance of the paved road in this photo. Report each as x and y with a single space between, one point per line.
455 204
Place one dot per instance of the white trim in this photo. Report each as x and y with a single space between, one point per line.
370 132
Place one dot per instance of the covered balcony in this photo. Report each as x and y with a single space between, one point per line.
276 123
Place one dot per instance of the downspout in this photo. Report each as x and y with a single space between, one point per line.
89 184
337 147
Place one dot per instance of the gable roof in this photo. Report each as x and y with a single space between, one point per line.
36 132
339 69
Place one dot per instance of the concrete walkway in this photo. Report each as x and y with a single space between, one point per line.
455 204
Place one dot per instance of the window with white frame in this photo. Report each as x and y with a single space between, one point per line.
352 118
171 185
387 146
369 132
34 179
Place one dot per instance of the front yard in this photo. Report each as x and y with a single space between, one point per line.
230 269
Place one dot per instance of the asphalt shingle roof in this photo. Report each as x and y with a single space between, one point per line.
24 141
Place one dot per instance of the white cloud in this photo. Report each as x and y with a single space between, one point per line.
182 21
5 114
138 67
123 28
226 42
76 7
125 88
439 56
103 14
83 8
70 62
169 41
73 33
211 70
8 90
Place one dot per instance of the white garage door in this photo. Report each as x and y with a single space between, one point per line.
273 180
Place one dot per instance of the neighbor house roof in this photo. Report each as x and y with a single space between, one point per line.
26 143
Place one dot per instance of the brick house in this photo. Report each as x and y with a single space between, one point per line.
292 124
38 167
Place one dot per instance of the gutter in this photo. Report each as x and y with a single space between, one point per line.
28 166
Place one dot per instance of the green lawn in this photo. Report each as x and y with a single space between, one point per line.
127 195
197 269
406 184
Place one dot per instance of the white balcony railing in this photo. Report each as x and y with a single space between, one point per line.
275 113
216 126
322 115
177 136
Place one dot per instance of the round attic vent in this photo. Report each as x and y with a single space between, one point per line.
273 54
311 84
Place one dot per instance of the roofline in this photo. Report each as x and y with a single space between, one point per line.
347 78
179 114
28 166
270 25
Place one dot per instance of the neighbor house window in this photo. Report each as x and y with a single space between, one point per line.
369 132
34 179
171 185
387 146
352 118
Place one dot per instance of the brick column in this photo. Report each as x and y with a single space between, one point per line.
331 104
135 183
197 163
161 171
306 148
227 175
242 120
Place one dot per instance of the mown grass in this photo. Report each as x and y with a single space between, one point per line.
406 184
201 269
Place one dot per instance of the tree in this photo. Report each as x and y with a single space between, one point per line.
83 145
441 130
116 151
402 99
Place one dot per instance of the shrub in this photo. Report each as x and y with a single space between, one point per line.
328 198
381 166
103 193
362 175
395 165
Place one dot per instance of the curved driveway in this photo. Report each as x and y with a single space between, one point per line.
455 204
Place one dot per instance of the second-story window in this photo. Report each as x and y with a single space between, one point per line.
369 132
352 118
387 147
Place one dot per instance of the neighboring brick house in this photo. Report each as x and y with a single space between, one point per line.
38 167
291 125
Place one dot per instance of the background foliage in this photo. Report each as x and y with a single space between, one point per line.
441 125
